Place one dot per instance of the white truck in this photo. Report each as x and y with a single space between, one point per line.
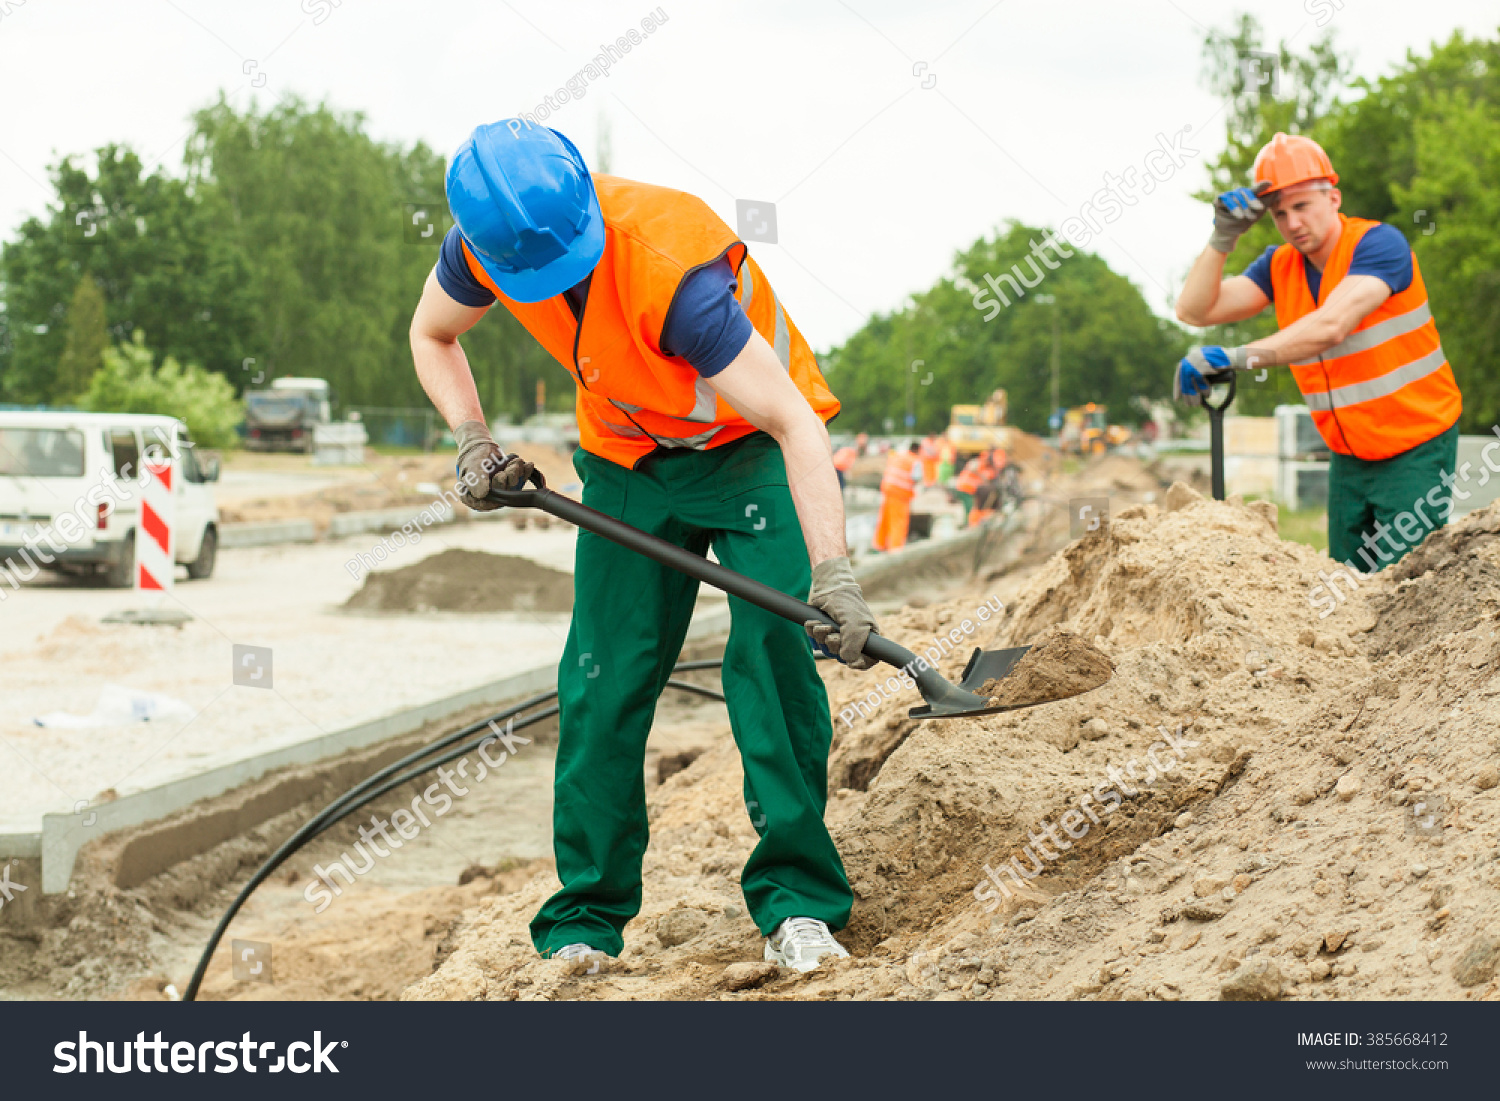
70 492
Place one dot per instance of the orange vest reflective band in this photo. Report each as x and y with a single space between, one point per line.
898 473
632 398
1386 387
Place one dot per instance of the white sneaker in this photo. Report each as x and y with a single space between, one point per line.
800 942
577 954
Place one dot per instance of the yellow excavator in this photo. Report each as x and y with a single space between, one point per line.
1087 431
974 429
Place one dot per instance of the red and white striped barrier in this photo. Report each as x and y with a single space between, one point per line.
154 543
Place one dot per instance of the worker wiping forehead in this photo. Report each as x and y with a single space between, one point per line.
697 398
1355 327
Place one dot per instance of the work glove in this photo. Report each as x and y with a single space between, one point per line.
836 593
482 466
1201 369
1234 212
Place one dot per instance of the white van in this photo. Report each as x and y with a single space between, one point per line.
53 464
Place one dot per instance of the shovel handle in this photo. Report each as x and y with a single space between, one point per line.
1216 440
685 561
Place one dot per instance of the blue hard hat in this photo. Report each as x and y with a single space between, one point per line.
523 199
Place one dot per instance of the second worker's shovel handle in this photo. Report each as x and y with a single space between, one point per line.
684 561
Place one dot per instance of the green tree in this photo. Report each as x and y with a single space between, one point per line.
128 383
941 350
87 339
155 252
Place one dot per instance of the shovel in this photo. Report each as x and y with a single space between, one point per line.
945 700
1216 439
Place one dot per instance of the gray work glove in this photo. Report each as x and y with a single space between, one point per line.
483 466
836 593
1234 212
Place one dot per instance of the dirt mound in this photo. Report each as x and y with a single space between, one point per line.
469 581
1449 583
1246 785
1055 668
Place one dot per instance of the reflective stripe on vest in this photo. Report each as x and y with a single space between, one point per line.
1386 387
783 341
898 476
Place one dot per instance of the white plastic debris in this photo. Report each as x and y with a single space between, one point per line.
120 707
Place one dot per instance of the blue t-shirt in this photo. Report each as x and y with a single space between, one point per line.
1382 252
706 325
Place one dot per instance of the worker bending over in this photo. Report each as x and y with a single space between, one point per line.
701 415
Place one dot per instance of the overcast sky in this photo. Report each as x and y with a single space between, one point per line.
888 133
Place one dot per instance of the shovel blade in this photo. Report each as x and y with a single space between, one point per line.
965 701
987 665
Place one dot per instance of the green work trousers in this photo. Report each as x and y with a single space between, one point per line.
630 616
1377 511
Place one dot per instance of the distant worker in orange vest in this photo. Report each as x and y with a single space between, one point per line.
701 414
1356 329
897 487
930 453
966 485
843 462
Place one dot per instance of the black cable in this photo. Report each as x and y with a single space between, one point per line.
386 780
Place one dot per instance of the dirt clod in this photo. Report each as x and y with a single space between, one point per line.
1055 668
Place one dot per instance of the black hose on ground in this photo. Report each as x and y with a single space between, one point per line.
391 777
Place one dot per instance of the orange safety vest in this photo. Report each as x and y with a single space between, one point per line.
968 478
633 398
1386 387
843 458
898 476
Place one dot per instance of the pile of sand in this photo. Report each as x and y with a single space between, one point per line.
1449 583
475 582
1275 812
1054 668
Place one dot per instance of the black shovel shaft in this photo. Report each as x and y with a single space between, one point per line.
1216 440
684 561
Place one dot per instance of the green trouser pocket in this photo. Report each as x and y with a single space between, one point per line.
629 620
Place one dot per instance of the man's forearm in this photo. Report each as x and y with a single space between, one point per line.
1303 340
1201 288
815 488
444 372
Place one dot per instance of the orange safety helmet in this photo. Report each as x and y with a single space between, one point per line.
1289 159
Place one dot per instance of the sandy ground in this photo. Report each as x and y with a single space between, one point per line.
1262 803
330 668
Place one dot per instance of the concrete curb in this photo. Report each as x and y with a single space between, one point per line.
266 534
63 835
